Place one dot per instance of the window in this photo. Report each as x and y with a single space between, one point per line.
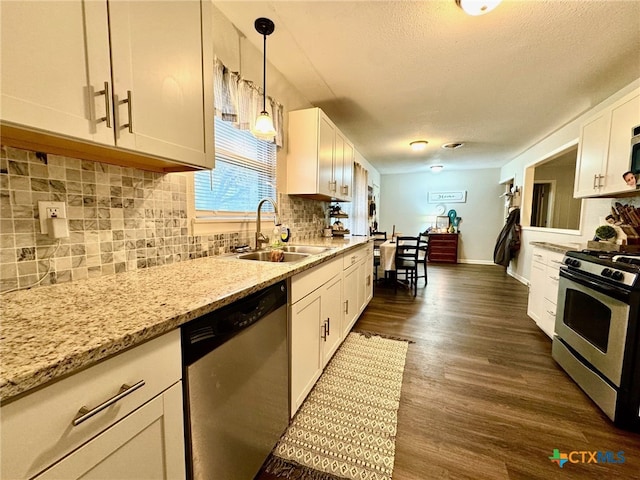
245 173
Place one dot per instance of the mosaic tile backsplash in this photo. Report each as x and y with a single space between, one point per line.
120 219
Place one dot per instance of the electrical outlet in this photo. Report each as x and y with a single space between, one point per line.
50 210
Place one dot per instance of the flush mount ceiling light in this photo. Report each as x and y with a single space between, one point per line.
263 127
477 7
436 168
452 145
418 145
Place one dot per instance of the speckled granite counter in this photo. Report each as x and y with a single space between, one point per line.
555 247
49 332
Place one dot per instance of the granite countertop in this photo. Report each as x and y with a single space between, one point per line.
52 331
556 247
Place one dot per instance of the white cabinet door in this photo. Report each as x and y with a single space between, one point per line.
320 157
148 443
326 156
332 315
45 79
592 154
158 93
624 117
305 347
59 59
351 305
535 307
368 283
344 167
604 148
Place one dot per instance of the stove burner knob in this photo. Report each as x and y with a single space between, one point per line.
606 272
617 276
574 263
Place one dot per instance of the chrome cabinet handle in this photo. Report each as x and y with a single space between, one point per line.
332 185
328 326
129 102
368 280
346 306
85 414
345 189
323 335
107 105
595 180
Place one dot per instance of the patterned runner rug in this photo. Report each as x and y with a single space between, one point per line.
346 428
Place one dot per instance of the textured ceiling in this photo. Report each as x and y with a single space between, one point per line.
389 72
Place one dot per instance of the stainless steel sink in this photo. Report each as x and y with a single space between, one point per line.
310 249
265 256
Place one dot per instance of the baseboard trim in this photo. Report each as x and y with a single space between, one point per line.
475 262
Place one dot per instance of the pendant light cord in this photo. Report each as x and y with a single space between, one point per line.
264 74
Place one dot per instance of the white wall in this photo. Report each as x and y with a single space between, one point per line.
405 205
593 209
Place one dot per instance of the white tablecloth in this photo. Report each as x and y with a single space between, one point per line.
388 256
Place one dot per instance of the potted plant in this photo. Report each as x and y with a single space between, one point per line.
606 233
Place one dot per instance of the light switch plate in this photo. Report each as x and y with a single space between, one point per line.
45 207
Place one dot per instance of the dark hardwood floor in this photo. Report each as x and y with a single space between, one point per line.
481 396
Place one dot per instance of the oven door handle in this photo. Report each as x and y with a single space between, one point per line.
601 287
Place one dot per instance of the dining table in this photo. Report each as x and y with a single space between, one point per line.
388 256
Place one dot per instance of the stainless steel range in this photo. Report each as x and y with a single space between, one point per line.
597 339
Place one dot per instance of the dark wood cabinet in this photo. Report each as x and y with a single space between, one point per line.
443 247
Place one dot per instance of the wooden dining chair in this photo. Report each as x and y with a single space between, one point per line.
378 239
423 253
407 261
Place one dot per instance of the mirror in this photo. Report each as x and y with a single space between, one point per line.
549 197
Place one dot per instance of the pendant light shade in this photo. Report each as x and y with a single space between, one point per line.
263 127
477 7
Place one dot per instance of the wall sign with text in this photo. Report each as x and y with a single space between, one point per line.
459 196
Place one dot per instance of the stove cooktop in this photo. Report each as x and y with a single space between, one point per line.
614 267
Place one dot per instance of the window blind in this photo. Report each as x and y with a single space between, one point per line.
245 173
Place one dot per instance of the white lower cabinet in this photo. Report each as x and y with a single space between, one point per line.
543 288
358 287
325 303
316 322
148 443
139 435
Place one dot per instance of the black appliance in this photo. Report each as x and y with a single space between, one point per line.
635 150
597 339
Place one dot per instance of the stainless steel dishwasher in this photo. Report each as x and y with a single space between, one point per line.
236 385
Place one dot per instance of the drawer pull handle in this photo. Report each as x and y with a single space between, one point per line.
85 414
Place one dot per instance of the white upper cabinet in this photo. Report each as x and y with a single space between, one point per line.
343 167
320 157
604 148
45 78
129 75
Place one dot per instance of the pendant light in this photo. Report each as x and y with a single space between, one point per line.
263 127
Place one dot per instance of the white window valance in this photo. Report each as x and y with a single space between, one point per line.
239 101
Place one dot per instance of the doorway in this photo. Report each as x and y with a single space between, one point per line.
542 204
